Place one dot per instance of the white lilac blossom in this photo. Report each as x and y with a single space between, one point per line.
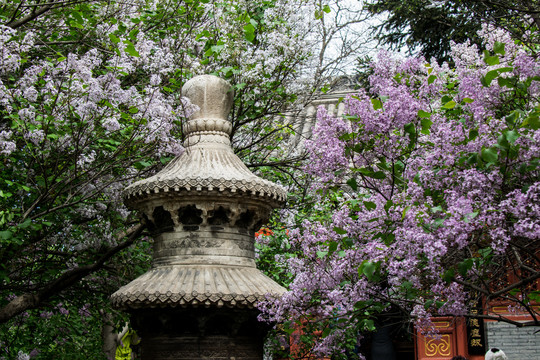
22 356
7 146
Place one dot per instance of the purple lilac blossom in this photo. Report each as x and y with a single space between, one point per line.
443 206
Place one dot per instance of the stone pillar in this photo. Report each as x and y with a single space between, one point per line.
198 299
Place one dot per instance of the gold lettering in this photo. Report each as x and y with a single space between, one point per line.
476 342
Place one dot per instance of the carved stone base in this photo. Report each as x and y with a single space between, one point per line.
210 334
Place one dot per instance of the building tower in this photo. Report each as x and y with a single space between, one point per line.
197 301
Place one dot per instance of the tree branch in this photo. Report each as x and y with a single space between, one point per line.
14 24
33 300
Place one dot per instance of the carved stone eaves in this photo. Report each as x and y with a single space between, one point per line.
206 286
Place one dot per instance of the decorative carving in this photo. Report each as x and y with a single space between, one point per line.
215 126
439 347
190 217
266 190
163 221
203 209
219 217
207 285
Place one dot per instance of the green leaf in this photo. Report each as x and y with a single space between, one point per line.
410 129
133 34
130 50
534 296
489 155
339 231
426 125
249 32
139 165
439 304
368 269
75 24
352 183
378 175
450 104
502 142
25 224
470 216
326 9
321 254
489 77
511 119
388 205
377 104
115 39
532 121
370 205
332 247
473 159
404 213
504 82
325 332
289 330
468 100
473 134
6 235
78 16
465 266
367 325
424 114
449 275
431 79
485 252
512 136
498 48
490 60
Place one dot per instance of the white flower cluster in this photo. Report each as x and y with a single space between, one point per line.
10 49
7 146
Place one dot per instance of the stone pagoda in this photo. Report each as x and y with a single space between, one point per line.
198 299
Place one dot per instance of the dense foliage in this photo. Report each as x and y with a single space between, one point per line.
431 187
430 26
89 101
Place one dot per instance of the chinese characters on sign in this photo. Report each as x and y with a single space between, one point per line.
475 334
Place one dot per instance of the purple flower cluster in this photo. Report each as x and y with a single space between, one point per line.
436 170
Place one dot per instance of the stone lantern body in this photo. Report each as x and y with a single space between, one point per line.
197 301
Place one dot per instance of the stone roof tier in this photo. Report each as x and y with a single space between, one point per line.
203 209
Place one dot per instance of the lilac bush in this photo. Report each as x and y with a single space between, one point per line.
431 183
90 100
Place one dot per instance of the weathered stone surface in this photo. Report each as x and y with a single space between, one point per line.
203 209
209 165
197 285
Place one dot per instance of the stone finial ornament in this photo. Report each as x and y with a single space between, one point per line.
203 209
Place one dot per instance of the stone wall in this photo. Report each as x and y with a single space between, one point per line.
517 343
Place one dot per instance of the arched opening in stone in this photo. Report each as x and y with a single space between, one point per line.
163 221
246 220
149 224
220 217
190 217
